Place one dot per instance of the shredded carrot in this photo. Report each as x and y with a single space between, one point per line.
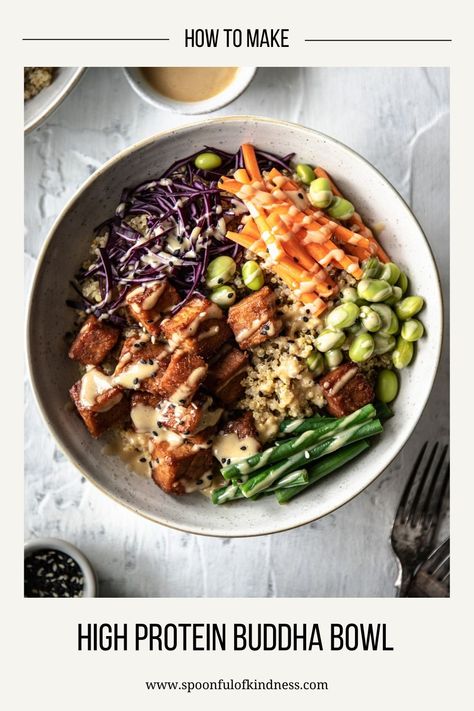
242 176
251 162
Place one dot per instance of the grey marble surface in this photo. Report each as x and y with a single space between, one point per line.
399 120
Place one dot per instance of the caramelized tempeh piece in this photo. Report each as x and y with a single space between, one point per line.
199 415
212 336
254 319
181 469
184 374
141 365
346 389
100 409
190 321
149 303
94 342
224 378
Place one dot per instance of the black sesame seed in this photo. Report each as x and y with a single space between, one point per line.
151 361
199 482
223 460
135 381
230 295
243 448
260 393
305 319
220 281
143 459
143 361
187 432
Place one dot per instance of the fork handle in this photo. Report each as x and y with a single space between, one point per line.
407 576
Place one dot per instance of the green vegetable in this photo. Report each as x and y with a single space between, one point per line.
372 268
208 161
252 276
343 316
370 319
362 348
397 294
305 173
341 209
329 339
383 343
409 306
315 362
220 270
374 290
403 353
349 293
389 319
386 387
333 357
223 296
403 282
390 272
412 330
322 468
320 193
265 478
322 430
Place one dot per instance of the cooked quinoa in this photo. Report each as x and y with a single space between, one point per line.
36 79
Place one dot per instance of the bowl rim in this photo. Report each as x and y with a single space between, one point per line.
42 255
90 578
194 108
57 99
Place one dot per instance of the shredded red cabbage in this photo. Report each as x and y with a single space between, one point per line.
183 204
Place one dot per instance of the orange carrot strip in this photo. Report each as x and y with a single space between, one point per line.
250 161
242 176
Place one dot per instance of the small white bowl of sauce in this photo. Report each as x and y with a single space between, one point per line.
189 90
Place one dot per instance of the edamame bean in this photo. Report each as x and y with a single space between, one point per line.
349 293
403 282
370 319
223 295
389 320
403 353
305 173
315 362
372 268
383 343
341 209
395 297
409 306
374 290
362 347
252 276
220 270
343 316
320 193
329 339
208 161
334 357
412 330
386 387
390 272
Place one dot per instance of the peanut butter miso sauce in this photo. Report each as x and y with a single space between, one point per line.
189 83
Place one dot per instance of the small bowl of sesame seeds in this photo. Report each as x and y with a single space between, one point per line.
56 568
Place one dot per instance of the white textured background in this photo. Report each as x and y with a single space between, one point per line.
399 120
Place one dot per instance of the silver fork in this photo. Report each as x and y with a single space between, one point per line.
432 577
419 512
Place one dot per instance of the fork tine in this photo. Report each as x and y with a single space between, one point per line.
401 512
438 502
437 558
415 508
431 504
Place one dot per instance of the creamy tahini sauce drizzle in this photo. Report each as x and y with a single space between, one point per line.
93 384
250 330
189 83
230 448
179 336
132 376
341 382
188 387
149 301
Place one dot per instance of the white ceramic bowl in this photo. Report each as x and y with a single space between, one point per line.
39 544
52 373
43 104
138 82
